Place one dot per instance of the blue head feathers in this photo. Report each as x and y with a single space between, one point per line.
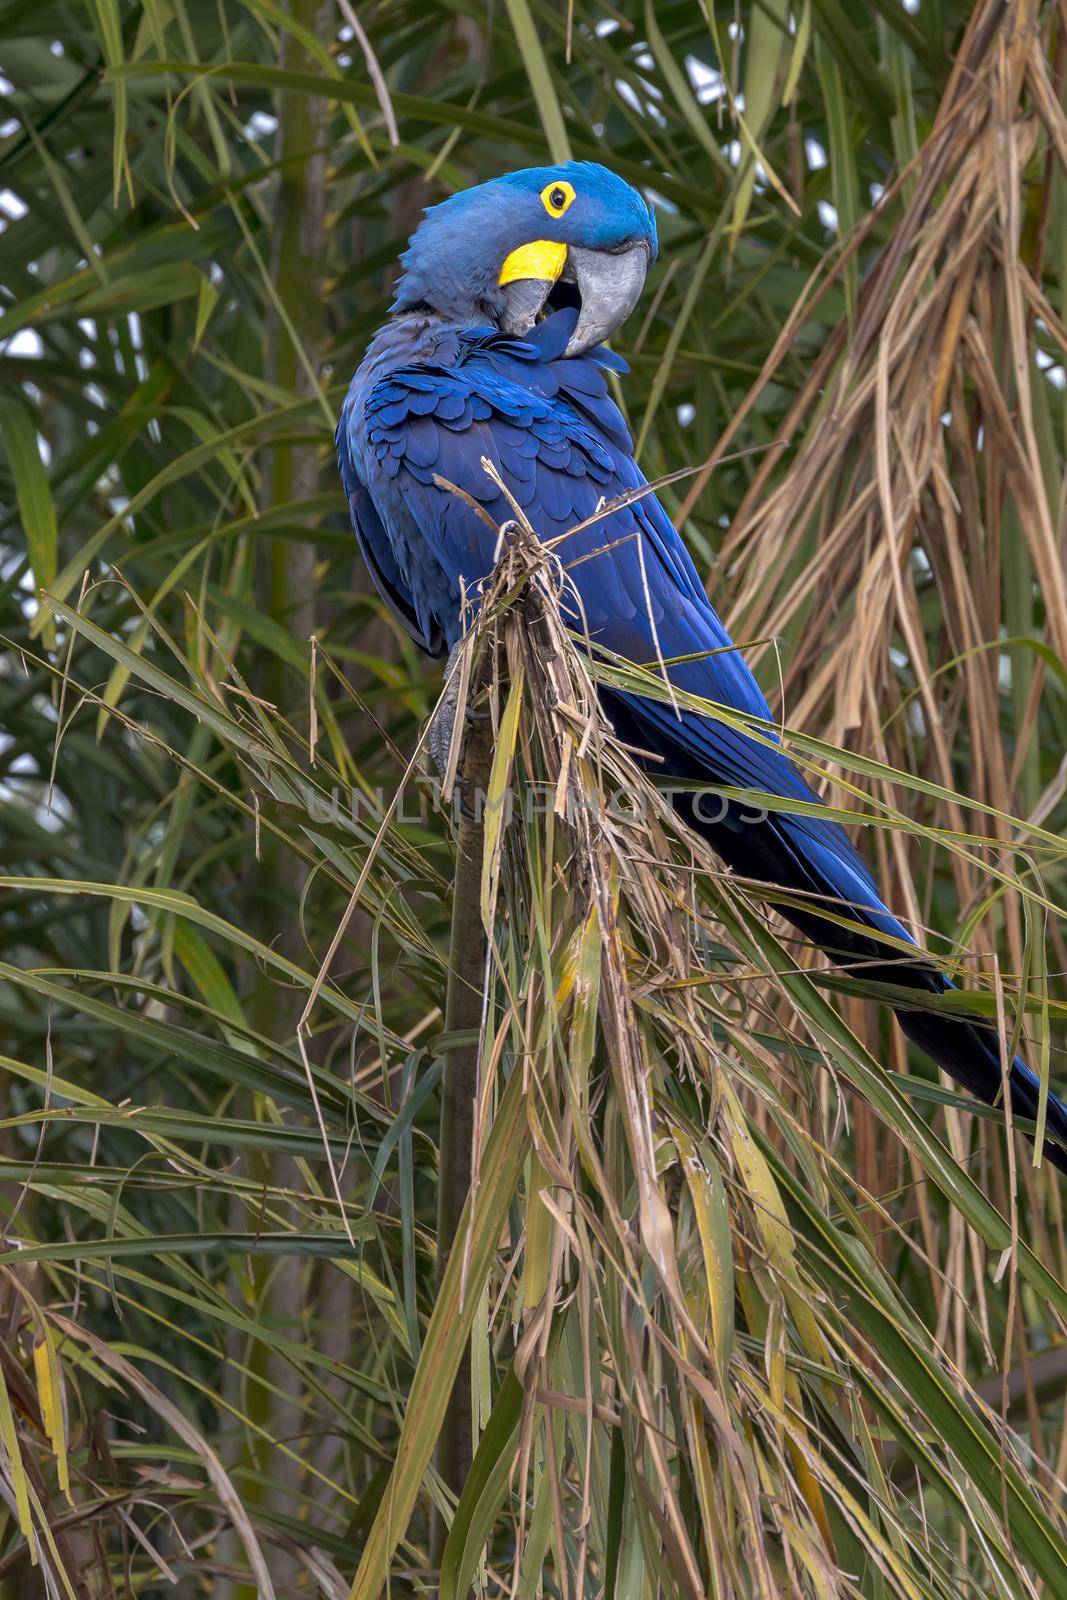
520 246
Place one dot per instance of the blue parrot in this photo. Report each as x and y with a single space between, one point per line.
493 350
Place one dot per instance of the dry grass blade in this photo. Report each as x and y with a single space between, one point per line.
157 1402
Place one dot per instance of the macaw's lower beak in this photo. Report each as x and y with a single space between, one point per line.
603 285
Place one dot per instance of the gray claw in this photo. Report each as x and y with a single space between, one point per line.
474 733
442 723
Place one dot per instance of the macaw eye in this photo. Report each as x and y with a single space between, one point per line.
557 197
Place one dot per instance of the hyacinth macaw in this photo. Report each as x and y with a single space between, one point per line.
493 349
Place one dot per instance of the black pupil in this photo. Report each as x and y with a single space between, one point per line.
558 199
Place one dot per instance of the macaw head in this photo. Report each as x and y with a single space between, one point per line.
517 248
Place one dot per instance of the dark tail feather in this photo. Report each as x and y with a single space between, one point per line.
812 857
809 862
969 1051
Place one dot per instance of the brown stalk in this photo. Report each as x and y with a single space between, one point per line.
945 323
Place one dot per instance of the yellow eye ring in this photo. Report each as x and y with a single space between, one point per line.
557 196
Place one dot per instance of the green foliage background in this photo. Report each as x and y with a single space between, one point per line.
208 1330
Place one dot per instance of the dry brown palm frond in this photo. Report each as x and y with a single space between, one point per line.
924 327
927 478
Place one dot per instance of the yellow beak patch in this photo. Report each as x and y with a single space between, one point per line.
541 259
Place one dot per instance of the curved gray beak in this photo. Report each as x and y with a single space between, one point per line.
610 286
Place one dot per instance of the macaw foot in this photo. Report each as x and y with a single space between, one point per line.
443 722
443 728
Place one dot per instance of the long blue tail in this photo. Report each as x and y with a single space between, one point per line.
812 858
818 863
